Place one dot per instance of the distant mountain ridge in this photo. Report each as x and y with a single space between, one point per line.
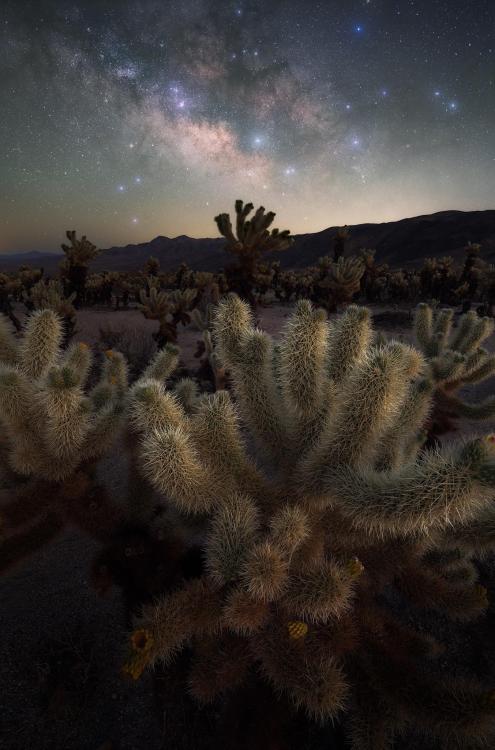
399 243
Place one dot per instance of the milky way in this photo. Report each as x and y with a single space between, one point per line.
125 120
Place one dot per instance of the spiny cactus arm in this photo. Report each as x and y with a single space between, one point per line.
225 228
485 369
321 592
289 528
187 392
399 444
233 320
216 434
258 395
442 327
173 466
67 421
482 410
423 326
231 534
24 449
244 615
436 492
39 347
265 572
478 332
78 359
317 685
366 408
9 351
242 212
165 627
163 363
104 427
464 330
150 407
350 337
302 360
448 366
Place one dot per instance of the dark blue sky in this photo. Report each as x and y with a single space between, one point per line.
126 120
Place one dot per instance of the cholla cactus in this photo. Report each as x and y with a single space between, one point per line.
49 295
211 367
251 240
169 308
74 267
456 359
53 432
152 266
339 242
306 546
339 281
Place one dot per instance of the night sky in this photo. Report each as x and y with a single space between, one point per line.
125 120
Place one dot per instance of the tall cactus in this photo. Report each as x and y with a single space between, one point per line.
307 543
251 240
456 358
74 268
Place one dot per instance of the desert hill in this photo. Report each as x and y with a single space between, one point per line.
398 243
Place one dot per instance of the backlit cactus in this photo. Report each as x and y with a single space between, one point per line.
74 267
251 239
168 307
456 358
54 431
306 544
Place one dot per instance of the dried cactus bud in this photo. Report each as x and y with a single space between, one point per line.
355 567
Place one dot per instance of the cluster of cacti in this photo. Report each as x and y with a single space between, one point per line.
74 267
252 240
169 308
310 547
338 282
456 358
53 432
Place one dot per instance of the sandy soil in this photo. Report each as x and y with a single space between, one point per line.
61 645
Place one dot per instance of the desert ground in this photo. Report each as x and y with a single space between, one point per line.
62 645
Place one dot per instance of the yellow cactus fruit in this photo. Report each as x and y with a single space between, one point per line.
141 644
297 630
109 353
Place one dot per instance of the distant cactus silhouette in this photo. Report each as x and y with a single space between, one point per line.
74 267
252 239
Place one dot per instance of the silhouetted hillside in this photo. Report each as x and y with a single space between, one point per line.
399 243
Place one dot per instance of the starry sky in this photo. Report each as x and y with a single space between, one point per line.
126 119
